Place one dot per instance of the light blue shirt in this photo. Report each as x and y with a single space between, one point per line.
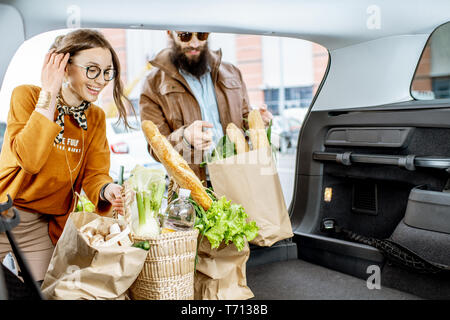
203 90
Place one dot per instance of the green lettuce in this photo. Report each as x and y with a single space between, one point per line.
224 149
226 222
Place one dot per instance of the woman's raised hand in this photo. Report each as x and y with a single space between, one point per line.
53 71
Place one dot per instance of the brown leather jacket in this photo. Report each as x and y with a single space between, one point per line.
167 100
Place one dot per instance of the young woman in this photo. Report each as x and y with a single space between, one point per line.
55 144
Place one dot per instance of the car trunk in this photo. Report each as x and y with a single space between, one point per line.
298 279
369 66
372 159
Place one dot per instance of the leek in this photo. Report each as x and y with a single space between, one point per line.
149 186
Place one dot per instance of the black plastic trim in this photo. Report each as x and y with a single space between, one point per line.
409 162
353 249
428 210
343 256
281 251
385 137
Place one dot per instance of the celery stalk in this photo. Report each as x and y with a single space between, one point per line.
141 208
157 191
149 185
147 204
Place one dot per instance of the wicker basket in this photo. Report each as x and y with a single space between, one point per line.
168 272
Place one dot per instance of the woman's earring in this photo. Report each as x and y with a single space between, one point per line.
65 84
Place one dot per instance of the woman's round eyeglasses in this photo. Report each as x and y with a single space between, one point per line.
92 72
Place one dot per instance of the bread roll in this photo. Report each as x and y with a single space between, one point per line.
235 135
103 228
257 130
89 231
110 236
96 240
175 164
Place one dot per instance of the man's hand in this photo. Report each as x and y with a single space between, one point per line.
199 139
113 193
266 115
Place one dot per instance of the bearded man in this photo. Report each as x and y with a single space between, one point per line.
192 95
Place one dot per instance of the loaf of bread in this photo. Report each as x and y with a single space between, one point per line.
257 130
237 137
175 164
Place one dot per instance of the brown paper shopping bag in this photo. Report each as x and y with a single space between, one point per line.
221 272
251 179
78 270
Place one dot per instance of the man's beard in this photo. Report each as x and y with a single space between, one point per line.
197 67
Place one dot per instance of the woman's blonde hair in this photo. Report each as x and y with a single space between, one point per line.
83 39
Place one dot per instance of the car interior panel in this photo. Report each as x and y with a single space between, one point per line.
372 161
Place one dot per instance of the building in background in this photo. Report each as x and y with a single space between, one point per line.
267 64
283 73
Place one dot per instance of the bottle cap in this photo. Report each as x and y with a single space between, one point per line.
184 193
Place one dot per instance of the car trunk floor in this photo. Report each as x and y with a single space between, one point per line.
300 280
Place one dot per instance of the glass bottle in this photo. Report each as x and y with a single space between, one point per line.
180 213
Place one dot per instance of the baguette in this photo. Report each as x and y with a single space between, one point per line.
175 164
257 130
235 135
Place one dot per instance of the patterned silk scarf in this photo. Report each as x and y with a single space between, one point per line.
76 112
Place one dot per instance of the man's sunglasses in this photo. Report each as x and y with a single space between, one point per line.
187 36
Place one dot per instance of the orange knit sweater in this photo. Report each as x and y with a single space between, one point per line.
38 175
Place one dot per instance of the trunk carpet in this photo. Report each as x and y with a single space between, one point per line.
301 280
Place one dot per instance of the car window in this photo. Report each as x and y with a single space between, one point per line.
2 128
281 73
2 132
432 78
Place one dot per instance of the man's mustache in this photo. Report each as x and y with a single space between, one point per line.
193 49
